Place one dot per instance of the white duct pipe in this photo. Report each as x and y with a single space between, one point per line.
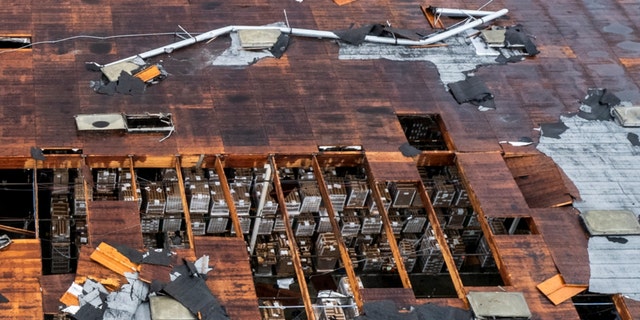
314 34
460 12
263 198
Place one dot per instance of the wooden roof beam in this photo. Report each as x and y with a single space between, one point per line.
388 229
293 245
484 225
233 213
442 241
344 252
185 205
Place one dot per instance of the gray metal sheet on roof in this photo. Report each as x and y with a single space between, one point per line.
492 305
611 222
600 161
615 265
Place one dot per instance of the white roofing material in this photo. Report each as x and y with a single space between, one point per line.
601 161
615 265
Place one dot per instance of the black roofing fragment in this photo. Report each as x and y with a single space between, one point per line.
633 138
472 90
354 36
156 286
403 33
597 104
37 154
3 299
515 35
159 257
194 294
278 48
553 130
129 84
89 312
386 309
132 254
409 150
619 240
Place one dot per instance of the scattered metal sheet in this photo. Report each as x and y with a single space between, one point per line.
496 305
258 39
558 291
167 308
474 91
627 116
553 130
100 122
610 222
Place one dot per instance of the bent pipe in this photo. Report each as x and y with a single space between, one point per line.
309 33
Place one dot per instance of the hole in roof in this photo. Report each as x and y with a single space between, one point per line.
15 42
100 124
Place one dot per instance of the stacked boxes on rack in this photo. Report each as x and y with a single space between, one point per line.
327 253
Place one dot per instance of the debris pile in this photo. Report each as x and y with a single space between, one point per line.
512 43
127 77
153 283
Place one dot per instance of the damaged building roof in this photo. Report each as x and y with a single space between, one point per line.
304 93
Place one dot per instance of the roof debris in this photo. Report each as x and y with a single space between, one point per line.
597 104
408 150
3 299
89 299
5 241
127 77
558 291
474 91
633 138
553 130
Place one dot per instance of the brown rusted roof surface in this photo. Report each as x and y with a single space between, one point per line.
53 287
540 181
21 269
567 242
529 262
114 222
231 280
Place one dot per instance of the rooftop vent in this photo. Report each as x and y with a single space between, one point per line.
610 222
499 305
